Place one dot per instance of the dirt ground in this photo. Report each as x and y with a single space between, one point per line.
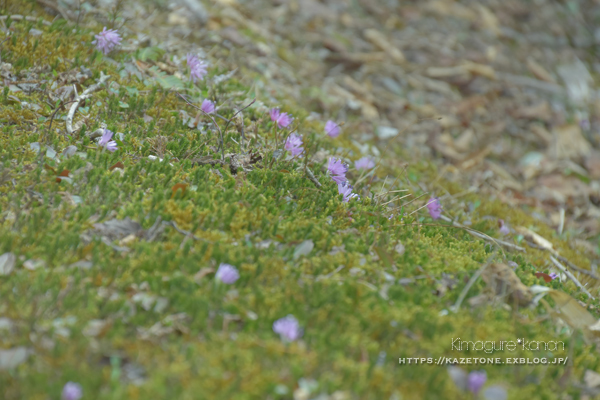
501 94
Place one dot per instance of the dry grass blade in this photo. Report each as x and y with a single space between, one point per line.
482 235
571 276
397 198
471 282
421 207
576 268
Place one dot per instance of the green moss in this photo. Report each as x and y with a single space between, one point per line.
211 341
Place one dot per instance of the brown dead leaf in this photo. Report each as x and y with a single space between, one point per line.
570 143
177 186
480 69
202 273
49 168
560 189
504 179
448 72
547 278
475 158
464 142
542 133
541 111
539 72
488 20
574 314
444 144
380 40
503 281
334 45
64 173
471 104
119 164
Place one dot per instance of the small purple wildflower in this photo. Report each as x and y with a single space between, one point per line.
227 274
476 381
553 275
293 144
282 119
504 229
332 129
346 190
105 141
288 328
207 106
337 170
364 163
435 207
72 391
197 67
107 40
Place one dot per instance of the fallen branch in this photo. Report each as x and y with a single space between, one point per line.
85 95
571 276
576 268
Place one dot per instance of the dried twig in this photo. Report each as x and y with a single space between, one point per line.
85 95
531 82
482 235
312 177
576 268
227 126
173 224
571 276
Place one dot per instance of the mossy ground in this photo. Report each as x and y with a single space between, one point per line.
208 340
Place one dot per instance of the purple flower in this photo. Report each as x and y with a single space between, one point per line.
197 67
207 106
72 391
435 207
282 119
105 141
332 129
364 163
337 169
504 229
287 328
107 40
227 274
293 144
346 190
553 275
476 380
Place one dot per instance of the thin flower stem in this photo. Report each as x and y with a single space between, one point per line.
433 201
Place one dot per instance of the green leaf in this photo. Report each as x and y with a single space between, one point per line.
150 53
169 82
